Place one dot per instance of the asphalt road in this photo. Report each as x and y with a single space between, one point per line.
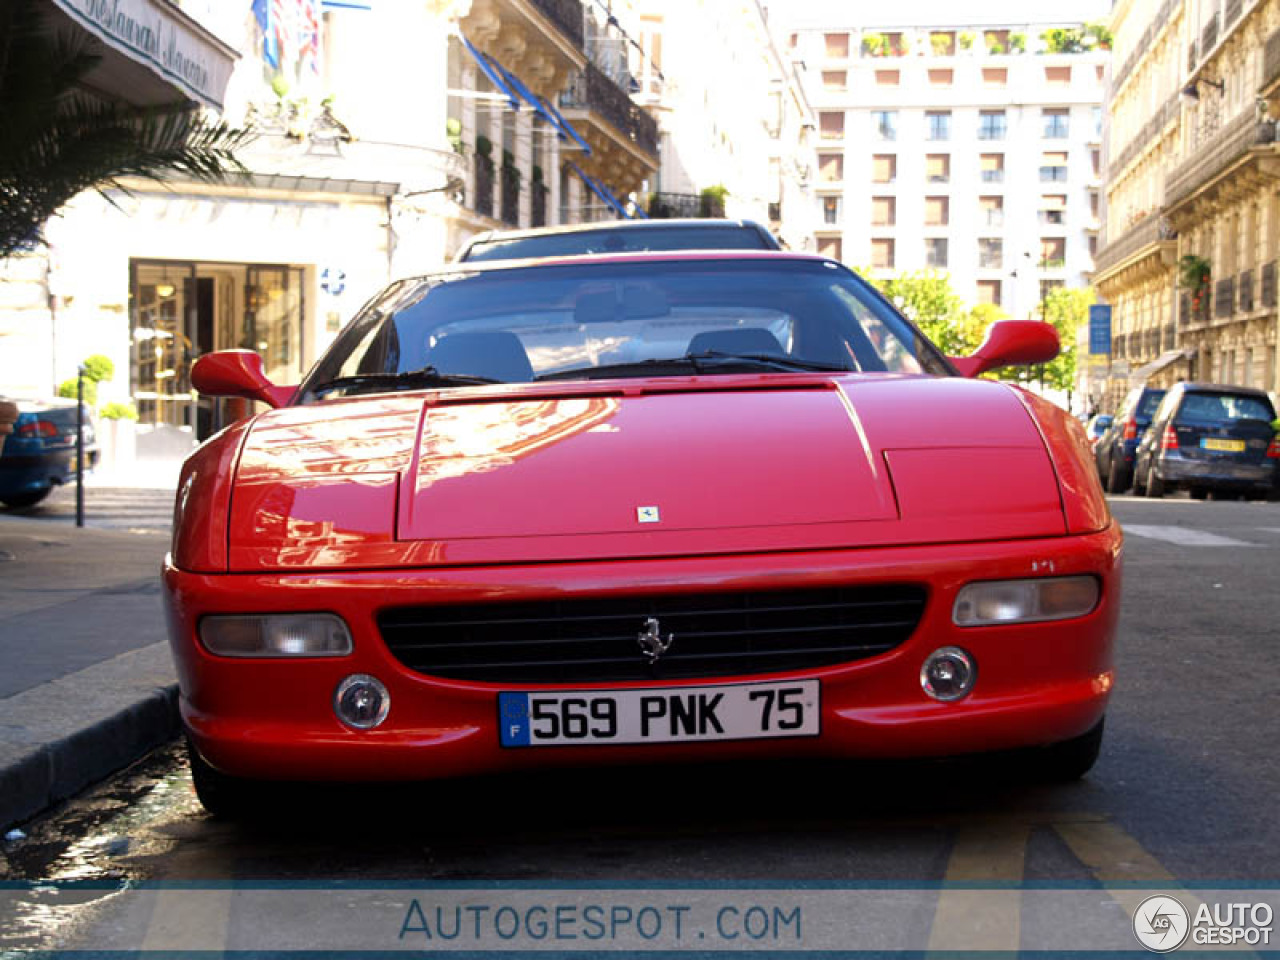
1185 792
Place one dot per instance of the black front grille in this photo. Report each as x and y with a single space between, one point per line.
597 639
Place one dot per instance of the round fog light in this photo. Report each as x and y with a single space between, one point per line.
948 674
361 701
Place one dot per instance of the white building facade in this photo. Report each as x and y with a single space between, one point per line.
963 146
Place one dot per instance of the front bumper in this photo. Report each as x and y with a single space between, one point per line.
1037 683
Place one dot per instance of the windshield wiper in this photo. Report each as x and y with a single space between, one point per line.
640 368
405 379
766 359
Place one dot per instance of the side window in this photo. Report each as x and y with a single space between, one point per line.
1167 405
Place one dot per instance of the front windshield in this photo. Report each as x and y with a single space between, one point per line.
625 319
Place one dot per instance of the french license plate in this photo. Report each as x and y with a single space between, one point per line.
734 711
1225 446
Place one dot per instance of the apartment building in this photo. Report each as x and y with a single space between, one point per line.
387 134
1193 193
744 127
972 146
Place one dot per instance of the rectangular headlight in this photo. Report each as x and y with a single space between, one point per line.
276 635
1025 601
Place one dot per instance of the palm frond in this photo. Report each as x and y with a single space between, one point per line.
59 141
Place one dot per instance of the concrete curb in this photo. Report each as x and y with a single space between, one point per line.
58 771
42 767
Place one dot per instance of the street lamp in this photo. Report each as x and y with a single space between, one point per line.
1192 90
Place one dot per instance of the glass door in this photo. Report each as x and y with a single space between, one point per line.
274 307
163 301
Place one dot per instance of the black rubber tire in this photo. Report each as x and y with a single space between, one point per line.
1070 759
1199 493
224 796
1117 482
1155 486
28 499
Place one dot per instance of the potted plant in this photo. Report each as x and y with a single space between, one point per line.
966 40
484 150
1017 42
874 44
453 132
1195 274
711 200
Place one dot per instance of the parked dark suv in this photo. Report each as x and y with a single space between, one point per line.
1208 437
1114 453
619 236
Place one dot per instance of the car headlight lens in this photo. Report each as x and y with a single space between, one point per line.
1025 601
276 635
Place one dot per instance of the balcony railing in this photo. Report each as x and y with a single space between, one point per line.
1148 231
1244 291
1271 60
1169 336
593 90
565 14
1224 297
1228 145
1269 285
1144 46
1147 135
1231 12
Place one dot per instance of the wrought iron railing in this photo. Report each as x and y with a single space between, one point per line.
484 185
1191 57
1150 230
1231 12
565 14
1146 136
1228 145
1185 317
1169 337
593 90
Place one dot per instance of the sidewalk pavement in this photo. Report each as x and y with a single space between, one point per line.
86 684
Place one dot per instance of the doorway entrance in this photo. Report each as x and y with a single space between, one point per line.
180 310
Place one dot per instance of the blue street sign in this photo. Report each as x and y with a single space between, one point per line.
333 281
1100 328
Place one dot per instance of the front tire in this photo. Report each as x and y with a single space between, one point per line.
1070 759
1199 493
1155 486
224 796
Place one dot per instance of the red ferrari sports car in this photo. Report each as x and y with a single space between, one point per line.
638 508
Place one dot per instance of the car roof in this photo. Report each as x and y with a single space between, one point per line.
1201 387
616 226
645 256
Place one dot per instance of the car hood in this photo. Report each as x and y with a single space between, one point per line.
641 468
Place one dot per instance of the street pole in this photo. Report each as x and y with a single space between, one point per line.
80 446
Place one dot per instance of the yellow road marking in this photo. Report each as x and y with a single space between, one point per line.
982 919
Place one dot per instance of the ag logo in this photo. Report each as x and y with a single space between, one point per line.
1161 923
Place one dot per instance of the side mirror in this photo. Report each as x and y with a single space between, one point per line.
1011 343
237 373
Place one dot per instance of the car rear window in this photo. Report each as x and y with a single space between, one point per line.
620 241
1150 403
1217 407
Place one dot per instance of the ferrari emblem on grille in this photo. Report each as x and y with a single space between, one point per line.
650 639
647 515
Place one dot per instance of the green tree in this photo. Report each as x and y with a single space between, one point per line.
59 140
929 302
